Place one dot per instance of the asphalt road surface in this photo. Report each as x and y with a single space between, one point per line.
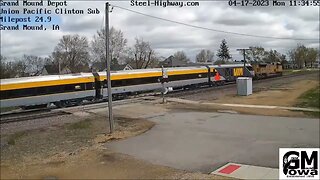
199 141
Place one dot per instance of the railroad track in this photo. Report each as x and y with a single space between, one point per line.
30 116
17 116
52 112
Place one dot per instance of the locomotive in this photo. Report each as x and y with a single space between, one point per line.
265 70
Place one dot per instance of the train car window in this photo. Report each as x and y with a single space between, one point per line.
69 87
135 81
42 90
89 86
105 83
187 76
55 89
213 73
29 91
4 95
249 68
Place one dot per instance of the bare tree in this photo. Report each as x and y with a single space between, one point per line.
34 64
256 54
13 68
312 55
272 56
142 55
205 56
298 55
72 51
117 47
181 56
5 68
27 65
20 69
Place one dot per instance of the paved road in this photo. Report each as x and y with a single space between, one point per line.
199 141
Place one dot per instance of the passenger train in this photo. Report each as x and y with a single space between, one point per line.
71 89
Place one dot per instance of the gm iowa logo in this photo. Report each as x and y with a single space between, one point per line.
299 163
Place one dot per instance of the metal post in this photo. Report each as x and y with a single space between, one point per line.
162 83
111 123
244 60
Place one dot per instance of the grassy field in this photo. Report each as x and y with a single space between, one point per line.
297 71
311 99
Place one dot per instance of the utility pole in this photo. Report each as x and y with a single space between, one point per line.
59 66
162 84
111 123
244 57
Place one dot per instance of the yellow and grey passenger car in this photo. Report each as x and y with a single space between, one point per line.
149 79
27 91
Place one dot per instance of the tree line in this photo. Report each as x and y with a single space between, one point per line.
78 54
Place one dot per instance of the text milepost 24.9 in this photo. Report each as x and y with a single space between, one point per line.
37 15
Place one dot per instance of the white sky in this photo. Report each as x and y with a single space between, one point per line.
166 37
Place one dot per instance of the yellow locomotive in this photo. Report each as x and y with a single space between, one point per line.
265 70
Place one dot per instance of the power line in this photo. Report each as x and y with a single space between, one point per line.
215 30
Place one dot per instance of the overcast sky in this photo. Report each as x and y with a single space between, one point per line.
166 37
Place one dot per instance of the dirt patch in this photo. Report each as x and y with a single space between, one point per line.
129 128
103 164
77 151
53 147
276 95
279 96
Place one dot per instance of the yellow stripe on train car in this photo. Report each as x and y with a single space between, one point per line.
151 74
130 76
5 87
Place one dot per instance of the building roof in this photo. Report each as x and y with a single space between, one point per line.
172 62
52 69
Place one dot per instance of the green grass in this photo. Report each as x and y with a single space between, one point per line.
310 99
297 71
12 139
79 125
